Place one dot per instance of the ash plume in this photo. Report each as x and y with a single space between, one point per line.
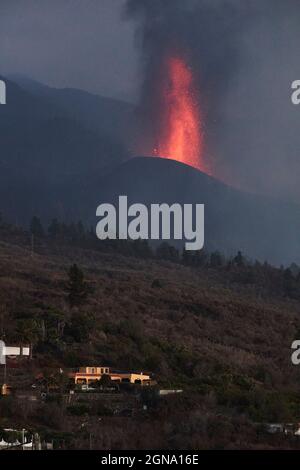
233 47
194 30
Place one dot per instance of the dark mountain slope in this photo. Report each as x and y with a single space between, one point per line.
105 115
46 155
263 228
54 163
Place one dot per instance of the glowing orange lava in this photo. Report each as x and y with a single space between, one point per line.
180 134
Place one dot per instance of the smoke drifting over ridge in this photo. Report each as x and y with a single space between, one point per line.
244 57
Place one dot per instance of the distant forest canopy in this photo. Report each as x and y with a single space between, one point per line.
283 281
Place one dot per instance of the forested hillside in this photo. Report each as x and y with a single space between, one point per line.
219 329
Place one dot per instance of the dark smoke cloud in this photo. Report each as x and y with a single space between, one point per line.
244 57
205 36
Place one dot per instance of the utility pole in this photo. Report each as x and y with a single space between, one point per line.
3 362
2 314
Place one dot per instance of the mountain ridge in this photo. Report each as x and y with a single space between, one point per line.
260 226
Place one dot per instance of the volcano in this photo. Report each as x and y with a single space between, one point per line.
263 228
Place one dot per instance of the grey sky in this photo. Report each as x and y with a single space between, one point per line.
75 43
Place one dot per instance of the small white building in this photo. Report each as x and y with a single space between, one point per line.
12 351
22 442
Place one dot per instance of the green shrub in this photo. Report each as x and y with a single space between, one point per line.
78 410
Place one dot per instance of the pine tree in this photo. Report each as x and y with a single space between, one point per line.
215 259
167 252
77 287
239 259
54 228
36 227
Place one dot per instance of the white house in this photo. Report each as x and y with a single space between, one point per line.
12 351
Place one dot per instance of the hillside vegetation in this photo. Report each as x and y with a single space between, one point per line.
221 332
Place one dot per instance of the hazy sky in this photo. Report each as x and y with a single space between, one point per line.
75 43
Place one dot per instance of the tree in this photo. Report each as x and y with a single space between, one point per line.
80 230
80 327
36 227
77 287
141 248
289 283
167 252
194 258
105 381
52 324
239 259
54 228
215 259
27 330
